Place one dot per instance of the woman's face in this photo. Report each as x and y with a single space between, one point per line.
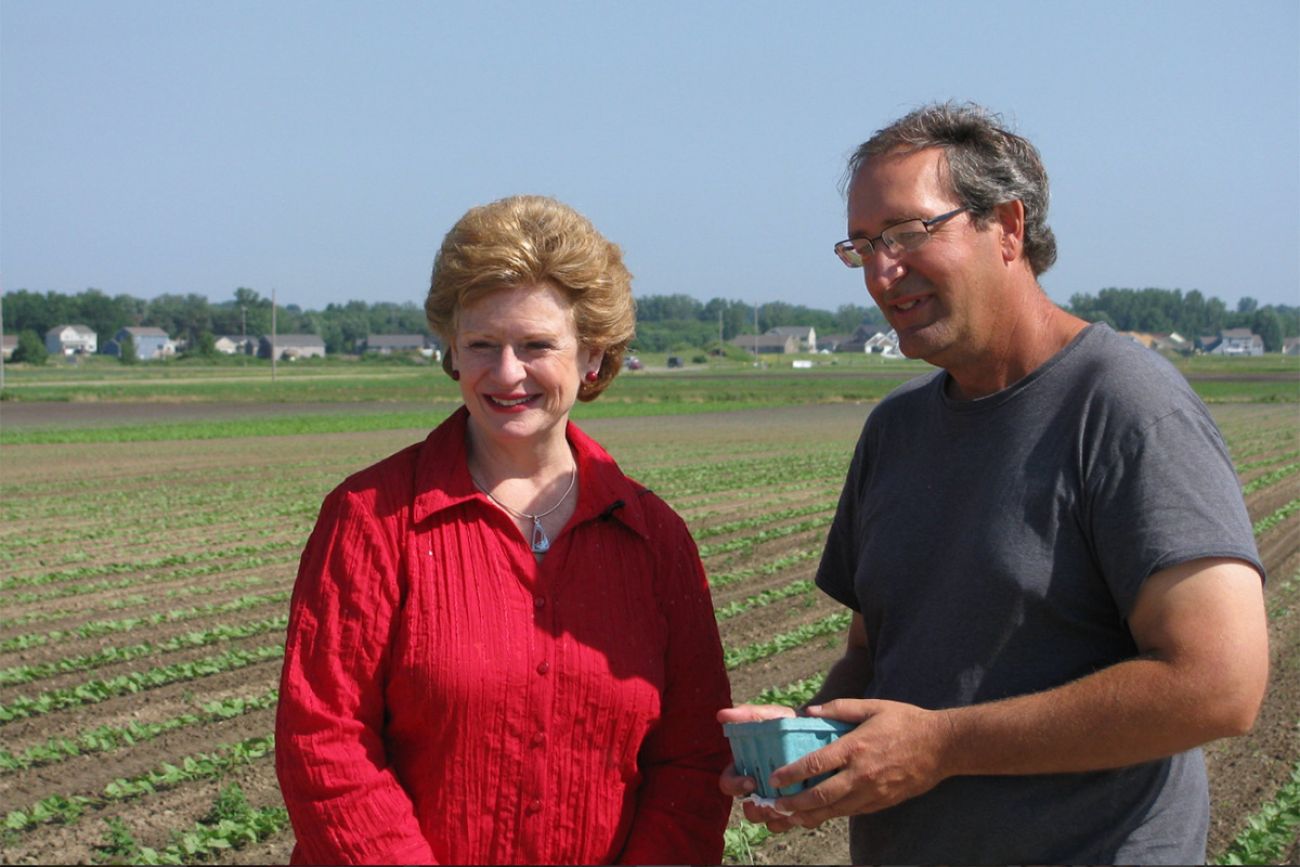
520 362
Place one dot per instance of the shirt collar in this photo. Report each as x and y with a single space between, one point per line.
442 479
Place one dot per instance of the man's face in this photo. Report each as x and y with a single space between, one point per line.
942 299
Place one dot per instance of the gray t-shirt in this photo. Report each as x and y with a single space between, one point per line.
995 548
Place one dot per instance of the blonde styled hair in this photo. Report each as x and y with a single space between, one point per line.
533 240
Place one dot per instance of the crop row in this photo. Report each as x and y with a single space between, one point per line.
96 628
231 824
828 625
67 809
1271 831
96 691
105 738
800 587
1268 522
166 562
763 519
746 542
91 587
719 580
113 655
139 599
1269 479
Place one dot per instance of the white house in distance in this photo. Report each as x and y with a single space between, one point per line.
228 344
71 340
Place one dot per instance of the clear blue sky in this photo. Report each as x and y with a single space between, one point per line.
323 148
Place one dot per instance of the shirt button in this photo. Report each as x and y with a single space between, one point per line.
543 667
534 806
539 739
540 602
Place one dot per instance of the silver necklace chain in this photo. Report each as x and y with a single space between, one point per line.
541 543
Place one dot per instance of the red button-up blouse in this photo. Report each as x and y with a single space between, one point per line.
447 698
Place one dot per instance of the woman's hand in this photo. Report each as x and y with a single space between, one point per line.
739 786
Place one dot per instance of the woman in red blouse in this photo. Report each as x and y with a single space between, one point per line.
501 649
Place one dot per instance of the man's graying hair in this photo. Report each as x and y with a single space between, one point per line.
987 166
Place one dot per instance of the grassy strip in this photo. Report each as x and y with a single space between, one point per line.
67 809
138 599
828 625
1270 832
96 691
104 738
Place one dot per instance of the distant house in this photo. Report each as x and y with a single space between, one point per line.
71 340
8 344
1232 341
867 338
229 344
767 344
1291 346
805 334
291 346
387 344
831 342
151 344
884 344
1172 342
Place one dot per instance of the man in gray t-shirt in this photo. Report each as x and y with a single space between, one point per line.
1056 592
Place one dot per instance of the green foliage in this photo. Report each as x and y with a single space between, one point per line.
118 845
30 349
1271 832
126 351
829 625
740 841
1191 315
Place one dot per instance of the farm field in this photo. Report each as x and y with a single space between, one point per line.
144 590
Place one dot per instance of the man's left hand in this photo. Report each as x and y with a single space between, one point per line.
894 754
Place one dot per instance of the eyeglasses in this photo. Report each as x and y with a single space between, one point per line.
901 237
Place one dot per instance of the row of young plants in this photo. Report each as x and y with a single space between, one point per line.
139 526
138 579
97 628
231 824
167 561
1271 520
68 809
113 655
137 600
95 691
108 738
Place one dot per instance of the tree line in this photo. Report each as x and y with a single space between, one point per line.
664 322
1162 311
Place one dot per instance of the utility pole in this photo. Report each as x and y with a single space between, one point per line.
275 346
2 338
720 352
